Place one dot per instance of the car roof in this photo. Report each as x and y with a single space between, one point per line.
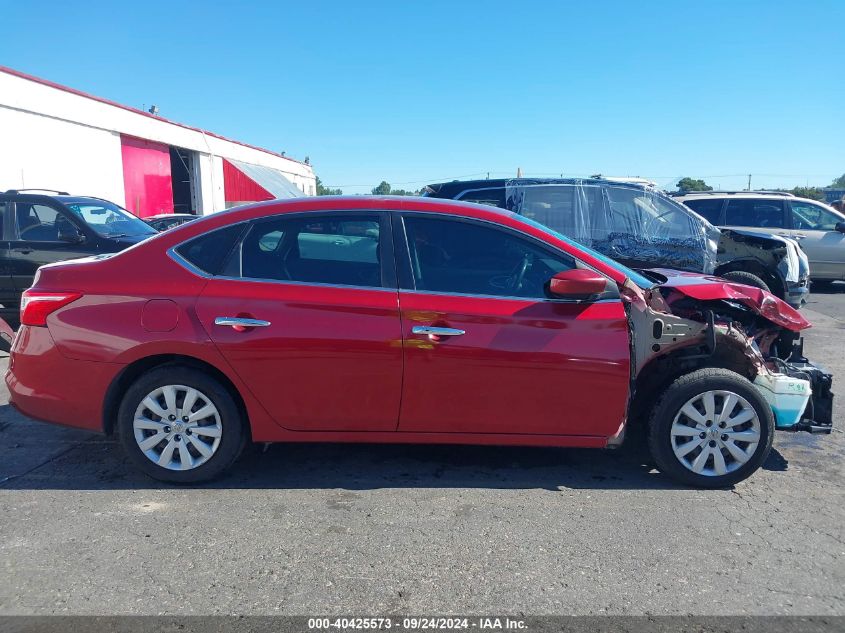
454 187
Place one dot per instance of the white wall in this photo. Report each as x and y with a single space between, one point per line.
62 134
40 152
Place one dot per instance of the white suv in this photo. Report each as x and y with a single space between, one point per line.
819 228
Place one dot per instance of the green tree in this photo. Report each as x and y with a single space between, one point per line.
814 193
383 189
691 184
326 191
839 183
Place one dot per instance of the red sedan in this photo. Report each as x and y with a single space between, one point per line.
395 320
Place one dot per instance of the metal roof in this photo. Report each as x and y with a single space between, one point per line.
270 179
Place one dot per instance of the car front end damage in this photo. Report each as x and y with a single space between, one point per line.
690 321
777 260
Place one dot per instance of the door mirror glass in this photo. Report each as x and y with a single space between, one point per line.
577 283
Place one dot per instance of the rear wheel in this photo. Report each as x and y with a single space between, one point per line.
749 279
711 429
180 425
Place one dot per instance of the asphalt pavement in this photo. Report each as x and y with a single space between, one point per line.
368 530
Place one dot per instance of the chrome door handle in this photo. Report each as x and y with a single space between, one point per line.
436 331
240 322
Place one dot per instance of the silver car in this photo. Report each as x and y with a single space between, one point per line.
820 229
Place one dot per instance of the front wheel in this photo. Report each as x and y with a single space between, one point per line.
749 279
180 425
711 429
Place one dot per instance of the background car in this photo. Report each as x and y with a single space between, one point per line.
404 320
819 228
641 227
40 228
165 221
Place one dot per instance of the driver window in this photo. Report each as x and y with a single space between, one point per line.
467 258
40 223
812 217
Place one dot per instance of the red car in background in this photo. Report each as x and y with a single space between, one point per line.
400 320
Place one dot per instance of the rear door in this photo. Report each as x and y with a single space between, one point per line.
43 233
504 357
306 312
815 227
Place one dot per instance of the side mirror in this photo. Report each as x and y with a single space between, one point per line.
577 283
840 227
71 235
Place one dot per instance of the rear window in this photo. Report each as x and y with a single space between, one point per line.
710 210
209 252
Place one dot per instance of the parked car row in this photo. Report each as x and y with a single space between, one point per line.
592 287
379 319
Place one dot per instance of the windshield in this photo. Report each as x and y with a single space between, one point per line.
630 273
108 219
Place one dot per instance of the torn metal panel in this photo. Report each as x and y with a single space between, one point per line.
772 252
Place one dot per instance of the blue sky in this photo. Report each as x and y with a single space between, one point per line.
417 92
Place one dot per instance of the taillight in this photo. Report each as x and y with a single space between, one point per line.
37 306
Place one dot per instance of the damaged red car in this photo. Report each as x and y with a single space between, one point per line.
406 320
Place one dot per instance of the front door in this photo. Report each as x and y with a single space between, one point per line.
306 312
815 227
43 234
504 357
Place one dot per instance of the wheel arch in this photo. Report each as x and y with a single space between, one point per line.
775 282
130 373
660 372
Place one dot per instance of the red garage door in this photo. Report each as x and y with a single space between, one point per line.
146 176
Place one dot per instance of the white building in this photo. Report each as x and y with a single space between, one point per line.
59 138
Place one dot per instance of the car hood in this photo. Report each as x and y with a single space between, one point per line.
709 288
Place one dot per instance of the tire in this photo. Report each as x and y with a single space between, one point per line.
212 442
666 438
749 279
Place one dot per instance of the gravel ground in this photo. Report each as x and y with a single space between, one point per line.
364 529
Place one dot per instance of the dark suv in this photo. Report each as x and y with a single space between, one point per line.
642 227
38 229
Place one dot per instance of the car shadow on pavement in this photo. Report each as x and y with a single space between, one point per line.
84 461
834 288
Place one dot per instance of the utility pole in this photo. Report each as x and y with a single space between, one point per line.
749 182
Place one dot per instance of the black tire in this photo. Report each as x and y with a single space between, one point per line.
232 438
749 279
676 396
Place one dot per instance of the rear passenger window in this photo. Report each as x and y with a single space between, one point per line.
328 250
3 207
710 210
209 252
764 214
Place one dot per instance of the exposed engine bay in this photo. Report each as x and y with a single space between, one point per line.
690 324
